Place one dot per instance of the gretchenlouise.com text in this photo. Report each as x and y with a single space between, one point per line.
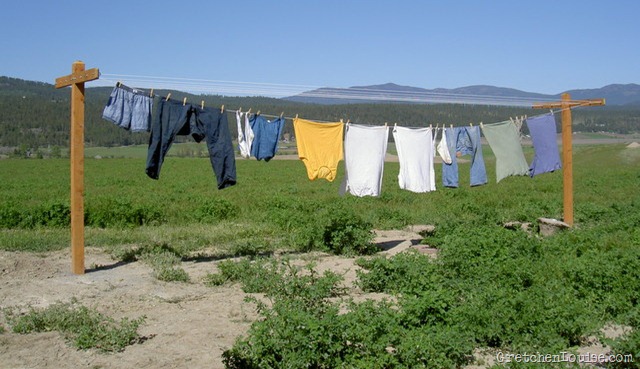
563 357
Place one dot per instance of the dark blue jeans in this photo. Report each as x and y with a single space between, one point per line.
175 118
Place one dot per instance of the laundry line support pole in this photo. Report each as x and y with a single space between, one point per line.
567 147
76 80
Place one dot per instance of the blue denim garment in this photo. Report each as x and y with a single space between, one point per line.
465 140
266 135
129 108
215 127
543 134
176 118
171 119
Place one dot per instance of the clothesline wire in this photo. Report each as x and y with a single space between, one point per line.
291 118
353 93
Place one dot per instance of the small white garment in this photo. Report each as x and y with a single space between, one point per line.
364 150
443 149
244 139
415 153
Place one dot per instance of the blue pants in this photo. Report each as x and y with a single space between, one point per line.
173 118
466 141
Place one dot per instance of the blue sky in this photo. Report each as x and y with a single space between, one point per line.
543 46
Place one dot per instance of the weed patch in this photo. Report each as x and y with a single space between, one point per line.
84 327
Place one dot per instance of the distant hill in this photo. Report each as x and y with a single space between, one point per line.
615 94
35 115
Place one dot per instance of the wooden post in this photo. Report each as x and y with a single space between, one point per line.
567 160
76 80
567 147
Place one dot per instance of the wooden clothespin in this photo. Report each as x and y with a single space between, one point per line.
184 101
222 109
471 125
296 116
151 93
202 105
348 121
168 96
258 113
240 110
281 115
385 124
341 121
430 126
481 126
249 111
451 126
118 84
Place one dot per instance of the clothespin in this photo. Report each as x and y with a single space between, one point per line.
168 96
222 109
471 125
184 101
341 121
258 113
240 110
202 105
151 93
249 112
281 114
451 126
481 126
430 126
296 116
348 121
385 124
118 84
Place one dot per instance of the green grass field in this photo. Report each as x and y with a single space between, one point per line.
489 287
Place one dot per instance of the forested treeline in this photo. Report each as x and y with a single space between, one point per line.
35 114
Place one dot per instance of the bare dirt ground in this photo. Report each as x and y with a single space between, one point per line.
188 325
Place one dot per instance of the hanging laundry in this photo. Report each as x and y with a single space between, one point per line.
244 139
464 141
504 140
176 118
443 149
129 108
543 134
266 136
364 150
320 147
415 153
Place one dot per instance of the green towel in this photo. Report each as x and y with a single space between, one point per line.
504 140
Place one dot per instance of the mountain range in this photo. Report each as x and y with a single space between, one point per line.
614 94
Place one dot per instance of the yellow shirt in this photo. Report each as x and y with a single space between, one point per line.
320 147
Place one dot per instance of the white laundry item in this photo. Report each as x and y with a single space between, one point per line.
415 154
248 134
243 144
432 174
443 149
364 150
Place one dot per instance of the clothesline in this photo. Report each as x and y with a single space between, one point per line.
285 90
150 91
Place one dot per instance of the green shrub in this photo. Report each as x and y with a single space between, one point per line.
10 217
347 233
214 210
86 328
117 212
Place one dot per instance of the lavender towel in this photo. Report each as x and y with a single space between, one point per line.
543 134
